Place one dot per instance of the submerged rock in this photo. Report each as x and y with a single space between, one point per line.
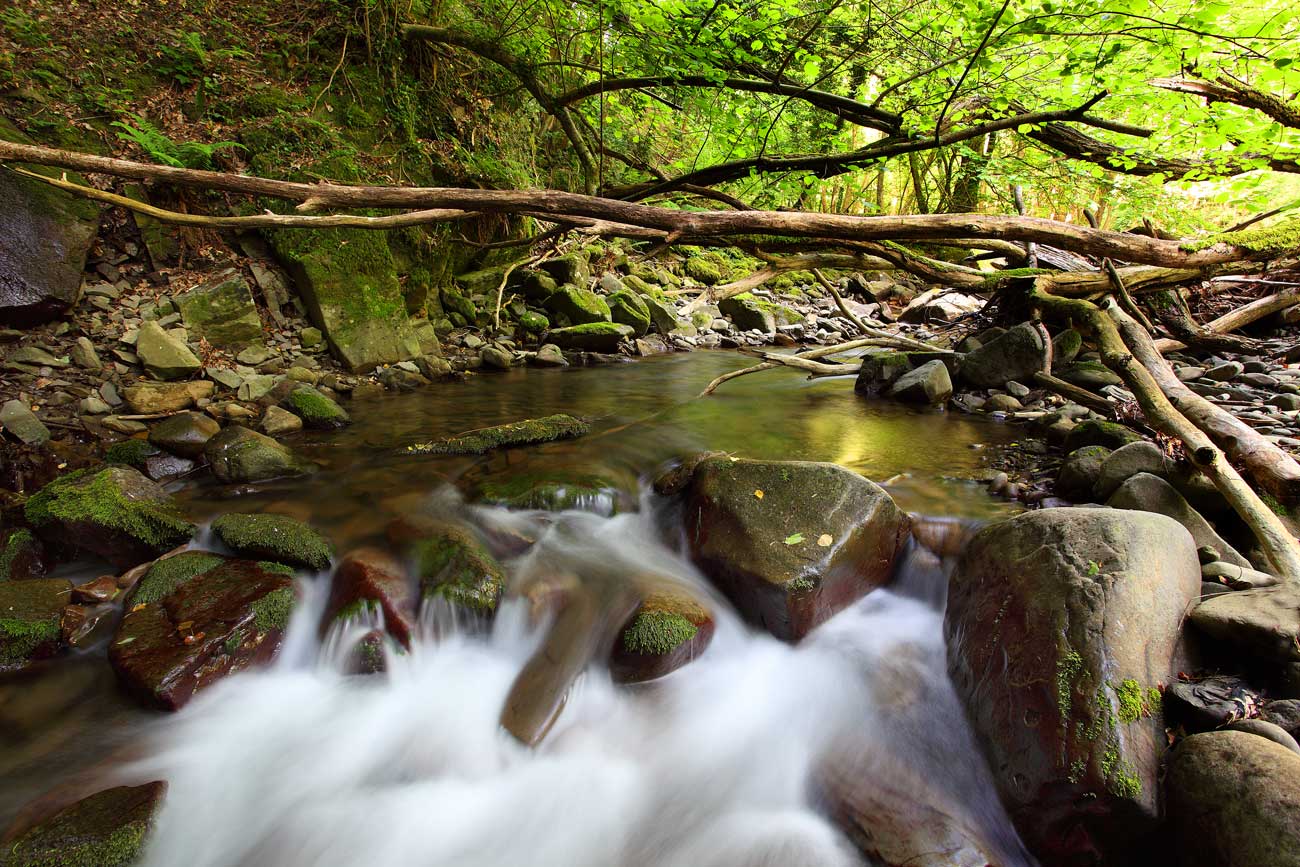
107 829
29 620
669 629
519 433
553 490
1061 624
790 542
114 512
1234 798
238 454
187 627
274 537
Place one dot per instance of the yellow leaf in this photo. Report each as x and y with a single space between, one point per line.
138 607
758 494
824 540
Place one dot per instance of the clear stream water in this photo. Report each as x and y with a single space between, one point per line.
724 762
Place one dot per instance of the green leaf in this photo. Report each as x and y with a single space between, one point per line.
796 539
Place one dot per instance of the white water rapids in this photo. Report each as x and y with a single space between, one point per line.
720 763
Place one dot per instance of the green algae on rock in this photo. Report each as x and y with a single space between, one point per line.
451 564
668 630
29 619
107 829
553 490
520 433
131 452
114 512
238 454
592 337
276 538
168 573
315 409
579 306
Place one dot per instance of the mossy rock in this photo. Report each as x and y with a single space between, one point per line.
533 322
238 454
168 573
276 538
592 337
708 268
1079 472
452 565
454 302
572 269
552 490
221 311
30 612
214 623
114 512
668 630
132 452
627 308
107 829
21 555
520 433
747 314
315 409
1091 375
1095 432
579 306
538 286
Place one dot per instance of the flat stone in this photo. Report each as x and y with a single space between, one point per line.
228 378
151 397
84 355
20 422
164 355
93 406
256 387
278 422
221 311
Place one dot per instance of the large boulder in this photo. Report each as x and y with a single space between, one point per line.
579 306
165 355
349 281
45 235
572 269
221 311
627 308
1017 354
191 623
790 542
238 454
114 512
1079 472
879 371
29 620
1061 624
1234 798
592 337
928 384
1126 462
106 829
1149 493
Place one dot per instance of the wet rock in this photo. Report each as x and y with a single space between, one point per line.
21 555
101 589
1209 703
1234 798
1017 353
221 311
1002 403
552 490
669 629
579 306
279 422
451 565
315 409
238 454
45 235
107 829
185 433
148 398
1149 493
164 355
373 579
572 269
790 542
179 637
1065 347
1060 626
399 379
1079 472
593 337
22 424
550 355
520 433
277 538
115 512
30 612
1094 432
928 384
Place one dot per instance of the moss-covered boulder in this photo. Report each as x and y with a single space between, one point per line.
790 542
451 565
519 433
533 322
1079 472
45 235
552 490
30 612
572 269
1095 432
274 537
370 580
538 286
114 512
107 829
21 555
182 634
1061 626
747 314
317 410
592 337
238 454
663 316
579 306
457 305
185 433
627 308
708 268
670 628
349 281
221 311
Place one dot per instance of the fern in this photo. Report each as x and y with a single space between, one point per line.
161 149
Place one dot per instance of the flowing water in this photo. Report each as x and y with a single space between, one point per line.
739 758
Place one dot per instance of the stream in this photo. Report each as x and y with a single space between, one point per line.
739 758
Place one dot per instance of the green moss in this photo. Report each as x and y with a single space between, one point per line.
1121 779
20 542
520 433
1155 700
314 408
707 268
782 314
165 575
534 323
1129 696
1067 669
801 585
657 632
1274 239
274 537
21 637
556 490
131 452
1275 505
273 610
356 610
98 498
453 566
278 568
233 641
120 848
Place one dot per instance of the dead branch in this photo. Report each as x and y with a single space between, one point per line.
1082 396
1241 317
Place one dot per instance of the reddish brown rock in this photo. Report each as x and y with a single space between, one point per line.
107 829
102 589
668 630
370 577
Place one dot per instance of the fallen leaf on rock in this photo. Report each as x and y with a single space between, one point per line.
758 494
794 539
824 540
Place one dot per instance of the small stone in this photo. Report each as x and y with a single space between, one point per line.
93 406
1002 403
164 355
20 422
1226 371
1017 390
254 355
310 337
496 357
108 392
279 422
256 387
84 355
222 376
36 357
550 355
185 433
124 425
472 341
